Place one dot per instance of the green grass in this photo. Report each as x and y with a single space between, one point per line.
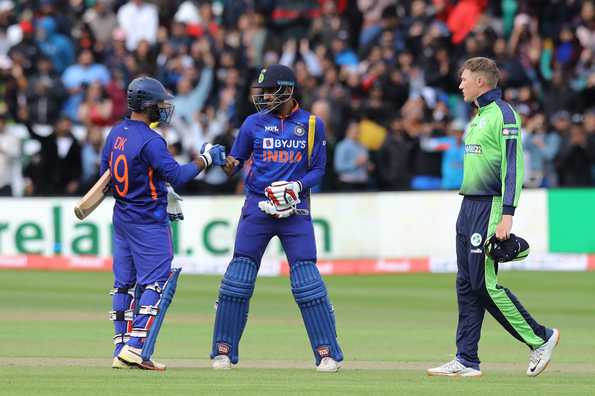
403 323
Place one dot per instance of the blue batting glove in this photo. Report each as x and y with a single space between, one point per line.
213 154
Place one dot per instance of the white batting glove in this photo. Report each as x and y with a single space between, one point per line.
278 212
174 209
283 193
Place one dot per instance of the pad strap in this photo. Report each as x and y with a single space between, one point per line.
121 338
139 333
122 290
121 315
148 310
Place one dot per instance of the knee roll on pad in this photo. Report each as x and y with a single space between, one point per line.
306 283
238 281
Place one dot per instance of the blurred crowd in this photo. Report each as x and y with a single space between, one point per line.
382 74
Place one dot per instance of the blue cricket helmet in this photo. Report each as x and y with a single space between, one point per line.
146 94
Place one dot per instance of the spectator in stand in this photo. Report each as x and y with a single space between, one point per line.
91 157
352 161
78 76
46 94
452 159
574 160
140 21
97 108
191 99
9 155
102 21
54 45
394 158
589 126
58 168
541 147
27 50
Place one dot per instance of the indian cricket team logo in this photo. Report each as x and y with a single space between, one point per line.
299 130
476 239
261 76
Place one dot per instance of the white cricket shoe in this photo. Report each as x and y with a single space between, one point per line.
329 365
118 364
221 362
132 357
454 368
539 358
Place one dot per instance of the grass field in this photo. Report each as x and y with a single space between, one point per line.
55 338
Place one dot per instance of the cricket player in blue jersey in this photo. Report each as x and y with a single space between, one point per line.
140 166
287 148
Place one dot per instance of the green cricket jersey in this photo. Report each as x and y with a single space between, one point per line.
493 163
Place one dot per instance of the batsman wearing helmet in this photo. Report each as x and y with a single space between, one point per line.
492 182
287 148
140 165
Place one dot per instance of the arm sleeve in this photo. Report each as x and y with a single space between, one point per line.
314 175
242 146
511 166
200 93
156 155
312 63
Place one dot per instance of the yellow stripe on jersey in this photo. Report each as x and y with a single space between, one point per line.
311 134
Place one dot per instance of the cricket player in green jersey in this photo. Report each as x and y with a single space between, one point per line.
492 183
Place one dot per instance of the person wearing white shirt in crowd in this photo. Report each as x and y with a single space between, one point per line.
139 20
9 154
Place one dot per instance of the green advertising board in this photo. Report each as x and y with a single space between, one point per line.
571 220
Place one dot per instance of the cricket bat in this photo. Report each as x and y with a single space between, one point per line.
93 197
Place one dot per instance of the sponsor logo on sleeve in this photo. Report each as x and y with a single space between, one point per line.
473 149
510 131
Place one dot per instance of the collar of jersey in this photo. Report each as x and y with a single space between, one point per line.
489 97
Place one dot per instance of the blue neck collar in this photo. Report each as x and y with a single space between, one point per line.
489 97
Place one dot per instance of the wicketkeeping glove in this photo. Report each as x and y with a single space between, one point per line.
283 193
174 209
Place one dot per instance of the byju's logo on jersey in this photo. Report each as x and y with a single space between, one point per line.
271 128
271 143
473 149
283 150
